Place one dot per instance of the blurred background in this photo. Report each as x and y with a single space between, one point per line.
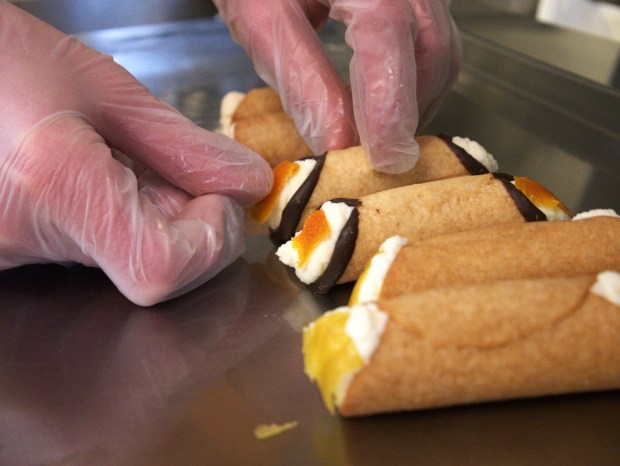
593 16
576 24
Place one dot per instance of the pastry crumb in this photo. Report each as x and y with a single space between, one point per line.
265 431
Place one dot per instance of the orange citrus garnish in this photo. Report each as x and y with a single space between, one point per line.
281 173
314 230
539 195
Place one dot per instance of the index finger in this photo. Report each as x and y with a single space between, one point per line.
288 55
383 79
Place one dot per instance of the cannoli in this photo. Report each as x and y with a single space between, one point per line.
586 245
337 240
301 186
470 344
258 121
257 102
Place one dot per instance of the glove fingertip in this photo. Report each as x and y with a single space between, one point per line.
395 159
203 239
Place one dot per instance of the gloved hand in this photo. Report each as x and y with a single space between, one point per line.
406 57
63 196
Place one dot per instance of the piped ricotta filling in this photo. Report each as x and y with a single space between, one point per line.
596 213
607 286
368 287
478 152
289 189
229 105
365 326
554 214
337 214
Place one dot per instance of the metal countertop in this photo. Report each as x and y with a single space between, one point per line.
88 378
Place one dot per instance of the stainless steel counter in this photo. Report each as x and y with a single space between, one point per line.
88 378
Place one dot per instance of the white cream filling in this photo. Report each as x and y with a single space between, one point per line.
596 213
337 214
607 286
365 326
229 105
289 189
478 152
370 286
554 214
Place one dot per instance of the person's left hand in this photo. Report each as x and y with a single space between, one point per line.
65 197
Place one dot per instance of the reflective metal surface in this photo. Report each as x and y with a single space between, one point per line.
79 16
576 53
88 378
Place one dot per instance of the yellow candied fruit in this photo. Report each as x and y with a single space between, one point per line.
281 173
315 229
329 354
539 195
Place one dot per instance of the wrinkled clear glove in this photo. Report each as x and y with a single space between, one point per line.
406 57
64 197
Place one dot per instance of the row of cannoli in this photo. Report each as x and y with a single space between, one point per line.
513 311
464 292
303 185
329 213
338 239
303 182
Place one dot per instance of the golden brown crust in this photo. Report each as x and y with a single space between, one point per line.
271 135
258 102
426 210
497 341
529 250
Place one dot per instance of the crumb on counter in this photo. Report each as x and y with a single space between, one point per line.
265 431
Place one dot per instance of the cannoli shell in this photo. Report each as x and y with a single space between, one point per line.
258 102
273 136
528 250
507 339
346 172
426 210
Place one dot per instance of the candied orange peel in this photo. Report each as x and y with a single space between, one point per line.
315 229
539 195
330 354
281 174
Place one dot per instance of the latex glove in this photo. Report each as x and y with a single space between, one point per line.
65 198
406 57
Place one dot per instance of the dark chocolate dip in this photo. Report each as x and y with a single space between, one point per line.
530 212
343 251
470 163
291 214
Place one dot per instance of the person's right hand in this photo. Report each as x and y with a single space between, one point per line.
64 197
406 56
